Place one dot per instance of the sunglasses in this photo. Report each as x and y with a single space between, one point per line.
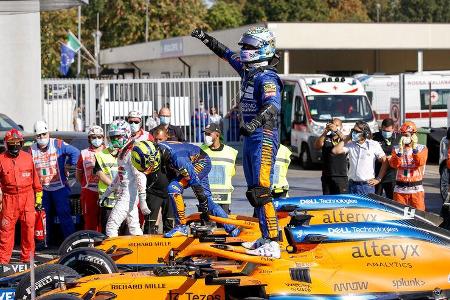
134 122
41 134
96 136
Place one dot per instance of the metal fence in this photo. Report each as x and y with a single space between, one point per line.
75 105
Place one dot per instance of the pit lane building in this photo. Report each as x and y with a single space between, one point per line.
332 48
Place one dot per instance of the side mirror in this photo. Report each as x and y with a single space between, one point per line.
21 127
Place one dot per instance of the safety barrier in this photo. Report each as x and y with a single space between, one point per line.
76 104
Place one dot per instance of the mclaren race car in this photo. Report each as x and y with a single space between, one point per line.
389 260
133 253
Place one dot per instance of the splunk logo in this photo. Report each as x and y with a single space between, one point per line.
372 249
402 282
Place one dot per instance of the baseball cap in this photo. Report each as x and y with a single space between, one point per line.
213 127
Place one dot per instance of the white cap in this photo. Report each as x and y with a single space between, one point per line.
95 130
134 114
40 127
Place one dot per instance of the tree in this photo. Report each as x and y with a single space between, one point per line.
347 11
224 15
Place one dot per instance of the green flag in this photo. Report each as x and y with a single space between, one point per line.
73 43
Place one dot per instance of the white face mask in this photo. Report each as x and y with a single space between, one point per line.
97 142
135 127
406 140
208 140
43 142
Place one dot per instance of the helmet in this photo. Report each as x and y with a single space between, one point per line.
145 157
40 127
134 114
408 127
12 137
119 128
96 130
260 38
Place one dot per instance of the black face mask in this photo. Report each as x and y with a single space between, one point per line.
13 150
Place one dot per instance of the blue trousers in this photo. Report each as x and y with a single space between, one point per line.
360 188
58 201
176 189
259 154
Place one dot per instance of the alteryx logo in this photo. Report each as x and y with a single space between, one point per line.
7 294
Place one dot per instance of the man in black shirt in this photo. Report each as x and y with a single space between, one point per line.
158 196
174 133
387 139
334 167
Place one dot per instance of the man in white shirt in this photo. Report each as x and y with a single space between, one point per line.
362 153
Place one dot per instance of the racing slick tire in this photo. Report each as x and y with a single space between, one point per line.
60 297
83 238
47 278
89 261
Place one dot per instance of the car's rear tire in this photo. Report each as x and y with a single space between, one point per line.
89 261
83 238
47 278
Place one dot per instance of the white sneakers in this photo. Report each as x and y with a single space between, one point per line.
263 247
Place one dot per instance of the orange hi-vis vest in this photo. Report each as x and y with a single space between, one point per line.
410 168
88 157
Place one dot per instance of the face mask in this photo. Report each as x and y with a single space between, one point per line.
13 150
164 120
208 140
42 142
135 127
406 140
97 142
386 134
356 136
118 143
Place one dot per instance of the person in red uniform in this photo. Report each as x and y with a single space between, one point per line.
89 180
21 193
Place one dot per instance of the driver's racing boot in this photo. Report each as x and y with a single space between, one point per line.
179 230
269 249
255 244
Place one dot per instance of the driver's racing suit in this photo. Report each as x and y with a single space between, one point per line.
128 184
186 165
259 106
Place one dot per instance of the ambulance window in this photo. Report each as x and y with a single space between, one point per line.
299 115
370 96
439 98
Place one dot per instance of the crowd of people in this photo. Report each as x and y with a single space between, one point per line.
386 162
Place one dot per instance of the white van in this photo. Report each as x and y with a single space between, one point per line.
309 102
382 89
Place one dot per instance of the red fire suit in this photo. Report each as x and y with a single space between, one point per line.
89 189
19 183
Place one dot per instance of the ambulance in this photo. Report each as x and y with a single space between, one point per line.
309 102
383 92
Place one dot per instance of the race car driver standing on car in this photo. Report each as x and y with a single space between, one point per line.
89 180
259 108
50 157
137 131
185 165
20 192
129 184
409 158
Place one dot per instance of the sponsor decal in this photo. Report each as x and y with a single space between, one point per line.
192 296
351 286
265 272
328 201
298 286
402 282
372 249
138 286
41 283
409 212
364 229
269 87
339 216
7 294
92 259
150 244
394 264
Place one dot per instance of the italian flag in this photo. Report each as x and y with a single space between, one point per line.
73 43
